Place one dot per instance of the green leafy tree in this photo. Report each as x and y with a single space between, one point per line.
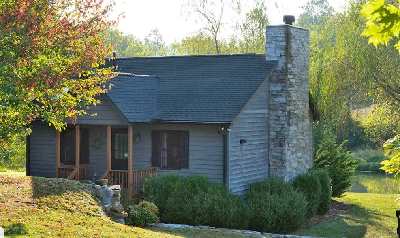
125 45
51 53
382 22
253 30
199 44
392 151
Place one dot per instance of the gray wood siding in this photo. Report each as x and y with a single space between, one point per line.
205 150
105 113
43 150
248 162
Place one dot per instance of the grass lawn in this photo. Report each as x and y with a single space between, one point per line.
371 210
39 207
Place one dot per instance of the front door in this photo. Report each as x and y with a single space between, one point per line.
119 149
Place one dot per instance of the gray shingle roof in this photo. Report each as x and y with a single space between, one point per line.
205 89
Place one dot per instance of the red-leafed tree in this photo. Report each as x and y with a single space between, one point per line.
52 59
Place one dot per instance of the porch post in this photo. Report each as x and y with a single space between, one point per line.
108 150
58 153
130 159
77 150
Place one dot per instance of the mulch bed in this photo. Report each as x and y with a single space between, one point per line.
336 209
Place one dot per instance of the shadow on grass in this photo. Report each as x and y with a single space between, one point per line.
15 229
352 223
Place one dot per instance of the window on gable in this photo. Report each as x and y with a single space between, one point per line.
170 149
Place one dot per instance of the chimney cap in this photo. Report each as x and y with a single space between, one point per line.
288 19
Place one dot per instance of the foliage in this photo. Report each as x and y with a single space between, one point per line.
275 206
310 186
253 29
369 159
339 163
382 22
142 214
158 189
149 206
392 152
12 154
194 200
347 73
326 190
50 58
315 13
198 44
380 124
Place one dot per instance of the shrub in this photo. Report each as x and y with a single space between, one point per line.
326 190
310 186
275 206
149 206
159 188
222 209
337 160
193 200
142 214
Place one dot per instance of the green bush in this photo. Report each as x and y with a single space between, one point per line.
339 163
275 206
326 190
310 186
193 200
149 206
142 214
159 188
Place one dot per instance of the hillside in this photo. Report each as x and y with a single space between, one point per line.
40 207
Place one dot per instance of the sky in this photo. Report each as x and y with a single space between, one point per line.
171 17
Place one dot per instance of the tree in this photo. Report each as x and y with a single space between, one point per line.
51 57
315 13
154 43
211 12
125 45
199 44
253 30
382 22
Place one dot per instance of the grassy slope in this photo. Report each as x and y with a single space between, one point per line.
39 207
370 214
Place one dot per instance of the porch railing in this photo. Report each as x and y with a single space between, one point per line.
70 172
120 177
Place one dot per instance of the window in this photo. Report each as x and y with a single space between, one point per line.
119 148
170 149
67 141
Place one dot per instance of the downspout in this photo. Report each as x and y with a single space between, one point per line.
226 158
28 155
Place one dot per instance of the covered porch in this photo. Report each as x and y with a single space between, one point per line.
80 155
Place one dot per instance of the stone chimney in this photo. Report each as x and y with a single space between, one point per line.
289 133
